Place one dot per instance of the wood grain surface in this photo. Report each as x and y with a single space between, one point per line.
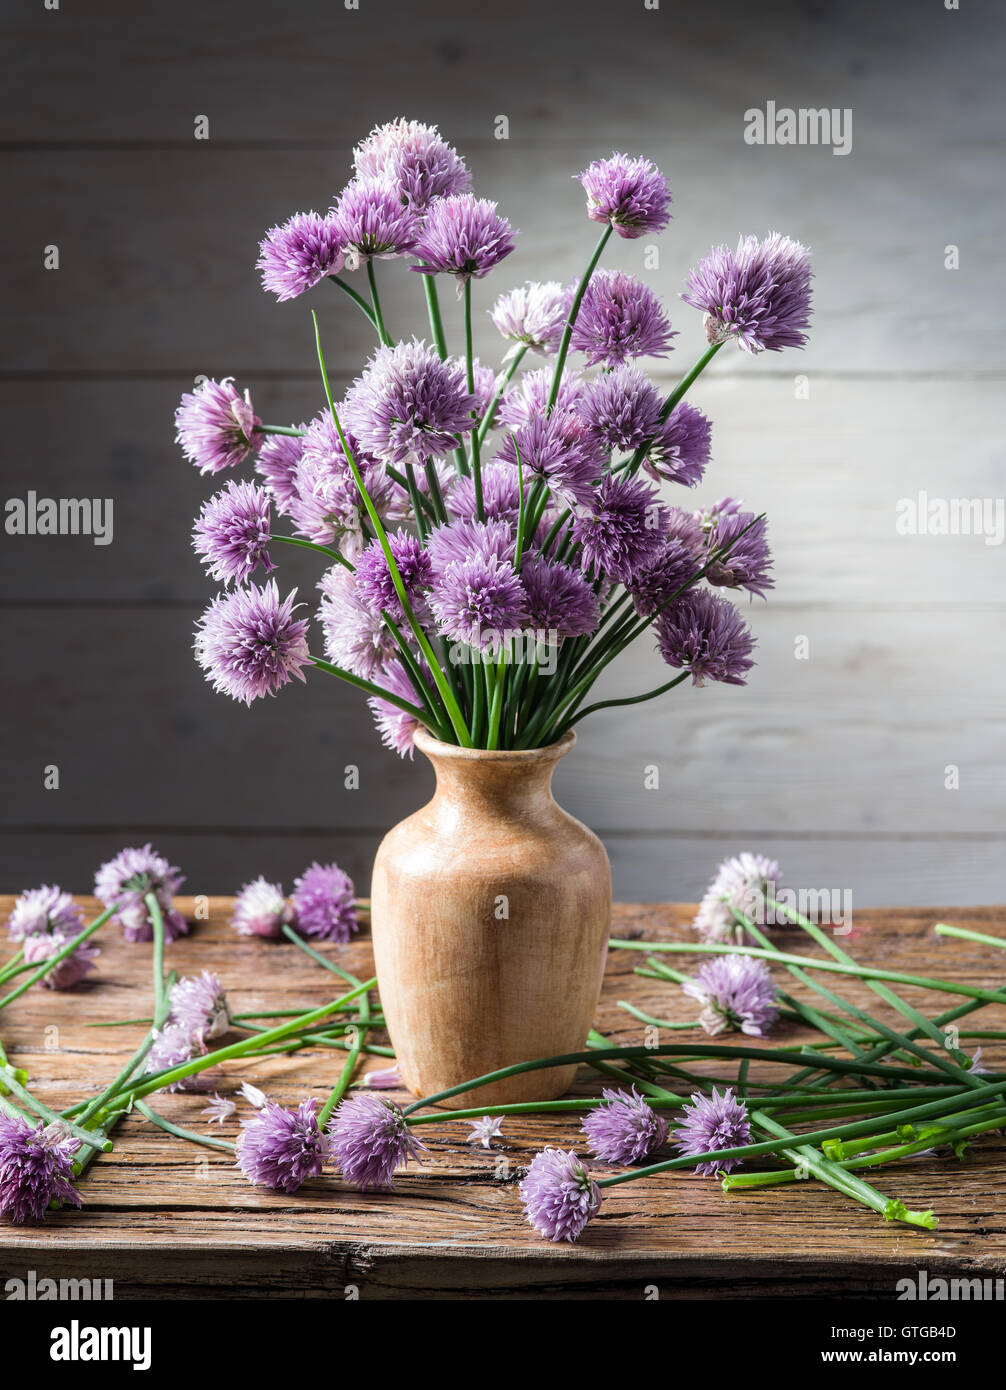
836 763
166 1220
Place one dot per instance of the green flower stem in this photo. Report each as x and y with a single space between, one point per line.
505 380
705 1051
243 1048
655 1022
310 545
13 966
436 319
432 717
901 1006
375 303
966 934
30 1102
630 699
987 996
839 1178
446 694
162 1009
738 1181
346 1076
567 332
290 431
632 464
357 299
204 1139
369 687
476 462
498 679
53 961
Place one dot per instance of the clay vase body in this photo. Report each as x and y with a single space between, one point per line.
490 911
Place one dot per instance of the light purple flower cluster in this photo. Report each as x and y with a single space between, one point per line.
324 903
713 1122
447 463
281 1148
198 1003
735 992
46 921
559 1195
36 1167
625 1129
124 882
260 909
369 1140
742 882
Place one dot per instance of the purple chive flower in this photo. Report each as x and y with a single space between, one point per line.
250 644
461 540
621 408
324 903
743 881
679 450
687 528
173 1046
500 494
396 726
758 294
559 450
478 599
485 386
655 582
705 634
276 464
371 221
620 317
621 528
383 1079
232 532
218 1109
735 992
559 1195
36 1167
327 507
533 315
260 909
408 405
624 1130
559 599
199 1004
527 400
356 636
375 585
415 158
369 1139
215 425
747 564
281 1148
68 972
485 1130
42 911
299 254
463 236
719 1121
123 883
630 194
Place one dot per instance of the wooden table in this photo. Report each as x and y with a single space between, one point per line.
165 1219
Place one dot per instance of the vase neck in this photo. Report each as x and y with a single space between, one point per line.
514 785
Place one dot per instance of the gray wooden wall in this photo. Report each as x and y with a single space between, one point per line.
836 763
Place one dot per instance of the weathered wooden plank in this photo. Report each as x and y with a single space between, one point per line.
164 1219
830 471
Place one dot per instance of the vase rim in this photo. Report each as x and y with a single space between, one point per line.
550 752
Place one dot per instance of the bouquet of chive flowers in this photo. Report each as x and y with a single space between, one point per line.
493 540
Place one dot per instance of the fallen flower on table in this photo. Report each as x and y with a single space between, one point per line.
369 1139
36 1165
625 1129
485 1130
282 1148
559 1195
